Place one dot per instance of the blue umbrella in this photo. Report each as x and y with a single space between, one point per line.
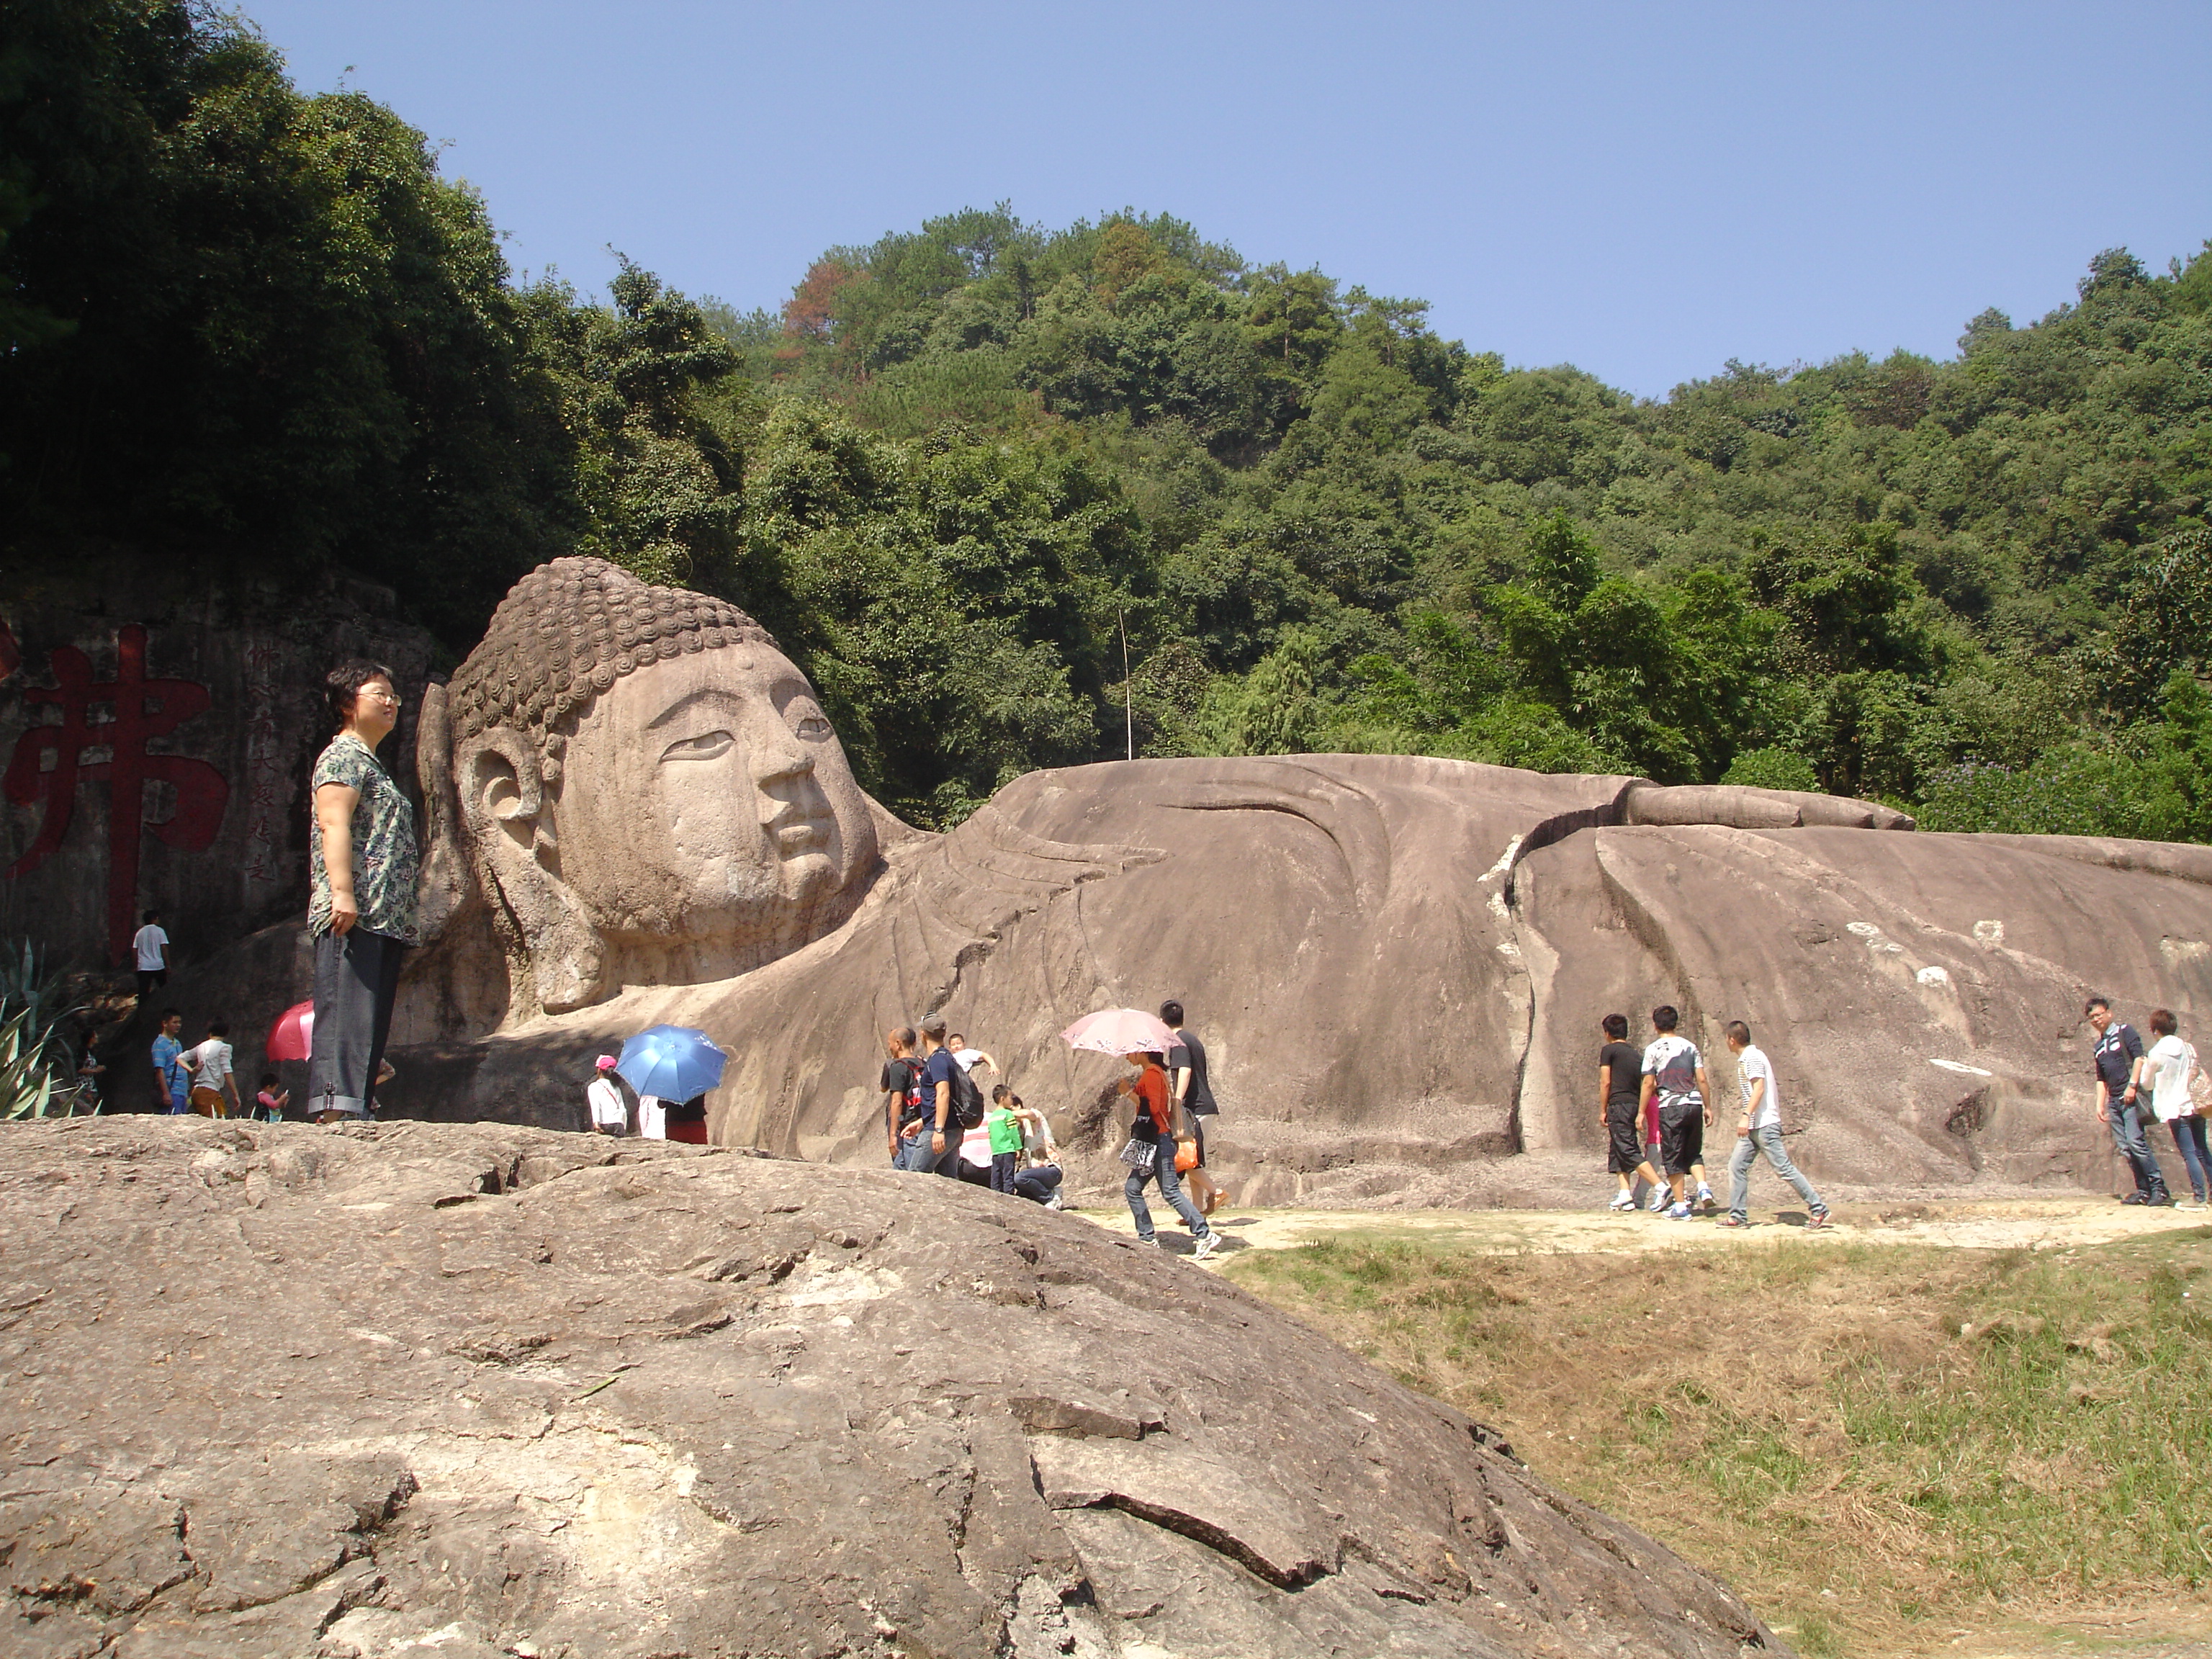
671 1062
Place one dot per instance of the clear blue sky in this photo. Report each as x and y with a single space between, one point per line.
1645 189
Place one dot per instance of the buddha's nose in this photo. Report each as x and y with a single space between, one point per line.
781 757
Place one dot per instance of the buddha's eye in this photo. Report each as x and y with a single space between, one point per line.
709 745
806 721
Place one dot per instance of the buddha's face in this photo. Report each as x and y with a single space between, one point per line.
707 798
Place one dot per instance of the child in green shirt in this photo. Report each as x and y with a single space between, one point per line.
1004 1123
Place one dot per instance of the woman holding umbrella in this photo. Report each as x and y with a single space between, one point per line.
1143 1041
667 1064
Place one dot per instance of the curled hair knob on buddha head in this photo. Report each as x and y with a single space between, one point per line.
568 630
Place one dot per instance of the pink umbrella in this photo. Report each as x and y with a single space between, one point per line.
292 1038
1120 1031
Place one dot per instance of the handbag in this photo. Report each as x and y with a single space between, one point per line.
1186 1154
1139 1154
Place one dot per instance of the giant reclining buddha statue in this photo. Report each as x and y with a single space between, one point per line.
638 812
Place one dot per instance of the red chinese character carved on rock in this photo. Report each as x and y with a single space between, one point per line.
50 761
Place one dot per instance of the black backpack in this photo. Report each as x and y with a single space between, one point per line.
967 1098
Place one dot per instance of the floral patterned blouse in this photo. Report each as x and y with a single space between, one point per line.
385 862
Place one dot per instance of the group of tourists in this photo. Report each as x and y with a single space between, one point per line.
201 1080
1655 1105
936 1121
655 1119
2167 1078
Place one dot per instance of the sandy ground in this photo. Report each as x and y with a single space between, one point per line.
2037 1224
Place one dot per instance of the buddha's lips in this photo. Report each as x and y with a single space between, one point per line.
797 831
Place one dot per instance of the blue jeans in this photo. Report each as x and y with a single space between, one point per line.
1767 1141
1163 1172
2126 1118
916 1154
2189 1142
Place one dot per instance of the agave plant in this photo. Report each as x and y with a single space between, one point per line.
37 1078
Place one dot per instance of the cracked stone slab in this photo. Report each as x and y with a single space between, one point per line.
271 1391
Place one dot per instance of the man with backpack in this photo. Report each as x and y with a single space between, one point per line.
951 1104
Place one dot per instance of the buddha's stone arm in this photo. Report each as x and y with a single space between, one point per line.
1738 807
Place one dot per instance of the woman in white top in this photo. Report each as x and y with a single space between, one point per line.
214 1086
653 1117
2169 1068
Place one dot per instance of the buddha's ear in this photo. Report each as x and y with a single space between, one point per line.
448 879
507 813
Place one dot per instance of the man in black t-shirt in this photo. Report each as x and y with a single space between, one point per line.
2118 1060
1621 1111
896 1080
1187 1077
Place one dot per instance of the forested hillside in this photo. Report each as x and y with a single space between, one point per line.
256 330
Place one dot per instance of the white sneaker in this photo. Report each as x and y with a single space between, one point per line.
1621 1201
1053 1200
1205 1247
1661 1198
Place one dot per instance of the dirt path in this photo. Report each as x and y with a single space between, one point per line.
2005 1224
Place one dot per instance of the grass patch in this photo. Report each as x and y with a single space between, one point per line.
1875 1443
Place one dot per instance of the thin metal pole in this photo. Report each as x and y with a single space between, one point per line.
1128 692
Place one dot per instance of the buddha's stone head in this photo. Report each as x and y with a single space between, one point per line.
646 786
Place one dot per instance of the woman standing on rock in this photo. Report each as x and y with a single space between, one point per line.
362 863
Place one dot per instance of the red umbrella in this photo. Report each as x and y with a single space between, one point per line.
1120 1031
292 1036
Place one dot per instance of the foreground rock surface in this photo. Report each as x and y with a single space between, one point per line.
475 1390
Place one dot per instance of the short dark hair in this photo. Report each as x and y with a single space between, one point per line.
999 1092
149 917
218 1028
2095 1003
905 1036
168 1014
1738 1032
1171 1013
2162 1022
340 684
958 1036
1616 1027
1664 1017
267 1077
933 1029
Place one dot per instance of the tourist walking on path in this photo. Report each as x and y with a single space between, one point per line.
1193 1090
900 1080
362 865
2118 1060
1154 1130
1674 1074
214 1083
1621 1111
171 1081
603 1096
2170 1068
151 946
1758 1132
